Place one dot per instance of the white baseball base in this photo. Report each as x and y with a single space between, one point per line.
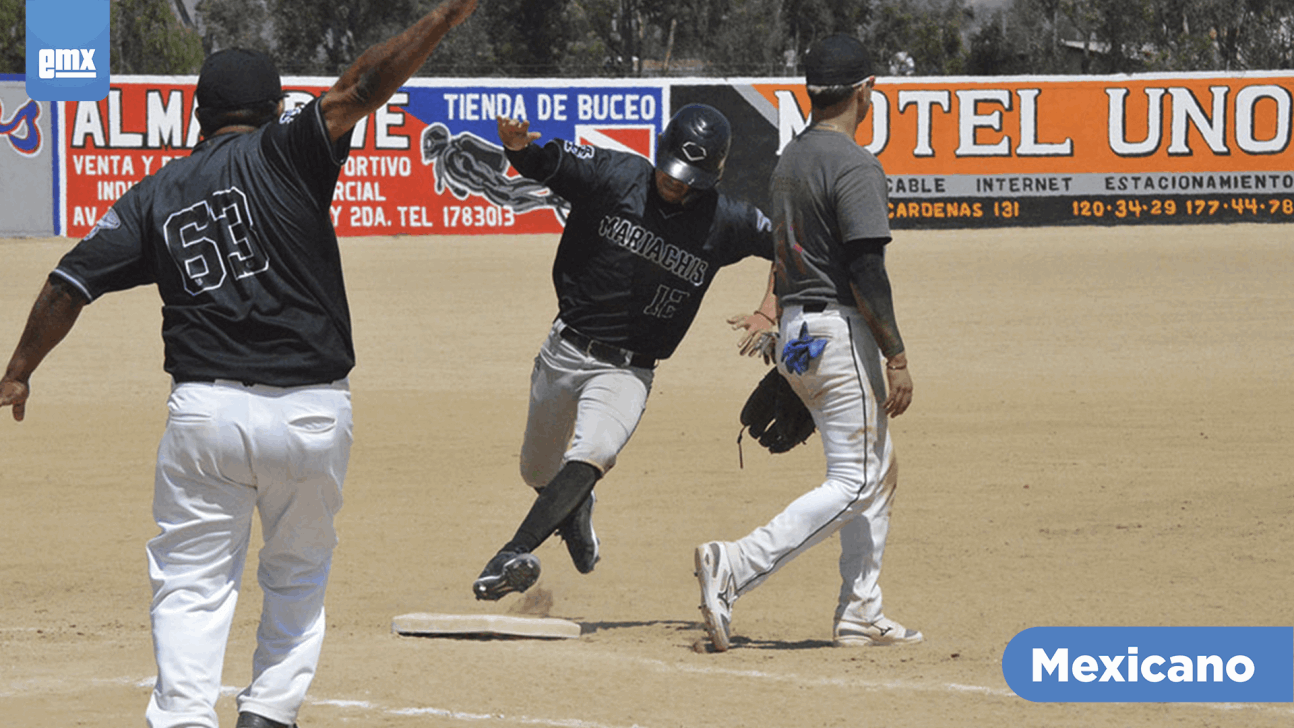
483 625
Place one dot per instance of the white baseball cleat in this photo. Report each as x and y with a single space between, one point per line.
881 633
718 592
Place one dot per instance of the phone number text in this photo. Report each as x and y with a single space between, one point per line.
1193 207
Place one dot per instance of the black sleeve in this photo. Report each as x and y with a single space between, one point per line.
298 141
870 246
747 231
760 234
535 162
872 292
67 287
113 256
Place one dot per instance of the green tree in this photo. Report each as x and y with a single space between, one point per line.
147 38
1038 30
748 40
686 29
1121 36
235 24
1114 34
751 37
595 41
1225 36
523 38
13 36
992 52
1083 36
526 38
1268 42
912 37
626 37
468 51
809 20
323 38
805 21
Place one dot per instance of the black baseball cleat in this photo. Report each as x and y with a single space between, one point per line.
252 720
581 541
507 572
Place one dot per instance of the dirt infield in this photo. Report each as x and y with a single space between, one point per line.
1101 435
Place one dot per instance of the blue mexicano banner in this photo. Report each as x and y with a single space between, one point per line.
1152 664
67 49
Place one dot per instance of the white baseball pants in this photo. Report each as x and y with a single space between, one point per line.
228 450
842 388
581 409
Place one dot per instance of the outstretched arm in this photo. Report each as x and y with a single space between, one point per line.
51 317
383 68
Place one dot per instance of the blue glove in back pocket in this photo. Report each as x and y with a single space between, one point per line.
799 351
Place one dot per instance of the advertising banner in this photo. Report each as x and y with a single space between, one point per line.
1166 149
26 161
965 152
428 162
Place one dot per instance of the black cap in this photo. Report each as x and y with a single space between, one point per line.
837 60
237 78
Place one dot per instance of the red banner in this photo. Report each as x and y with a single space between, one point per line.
427 162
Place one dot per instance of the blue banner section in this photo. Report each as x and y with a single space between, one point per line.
617 117
67 49
1152 664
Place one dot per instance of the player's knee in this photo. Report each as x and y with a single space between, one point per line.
601 460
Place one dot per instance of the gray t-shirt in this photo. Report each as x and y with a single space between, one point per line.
826 190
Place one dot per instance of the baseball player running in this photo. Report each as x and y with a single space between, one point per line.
238 240
640 249
841 343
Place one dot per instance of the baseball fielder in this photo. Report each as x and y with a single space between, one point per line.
238 240
841 343
640 249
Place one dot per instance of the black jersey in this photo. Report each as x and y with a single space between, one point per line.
631 269
238 239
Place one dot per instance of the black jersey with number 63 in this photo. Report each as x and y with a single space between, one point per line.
238 238
631 269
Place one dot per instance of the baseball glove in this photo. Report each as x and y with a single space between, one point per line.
774 414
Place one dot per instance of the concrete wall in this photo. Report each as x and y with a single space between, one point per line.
27 152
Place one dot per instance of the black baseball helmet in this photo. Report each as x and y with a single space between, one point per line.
694 145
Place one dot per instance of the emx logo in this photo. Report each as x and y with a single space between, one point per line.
67 63
67 49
